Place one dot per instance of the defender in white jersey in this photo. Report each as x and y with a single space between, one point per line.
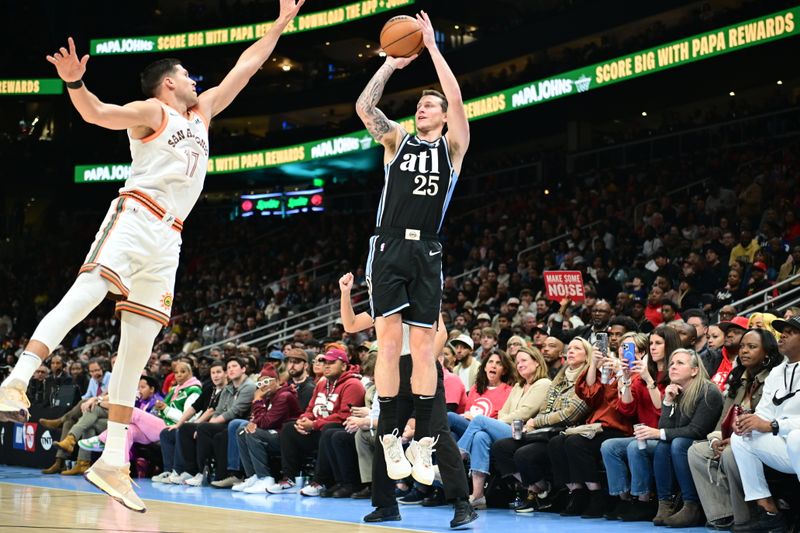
135 254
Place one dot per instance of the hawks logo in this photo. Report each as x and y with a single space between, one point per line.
166 300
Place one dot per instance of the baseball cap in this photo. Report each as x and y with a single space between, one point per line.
335 354
464 339
780 324
484 316
297 353
513 301
737 322
760 265
276 354
268 371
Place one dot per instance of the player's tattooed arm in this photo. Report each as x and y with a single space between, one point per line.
367 105
382 129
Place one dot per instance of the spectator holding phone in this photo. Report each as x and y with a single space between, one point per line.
641 392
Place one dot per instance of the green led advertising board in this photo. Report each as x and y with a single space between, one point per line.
238 34
32 86
699 47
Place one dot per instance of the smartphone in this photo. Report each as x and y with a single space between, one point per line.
601 340
629 353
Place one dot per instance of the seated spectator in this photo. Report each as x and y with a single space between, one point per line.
733 330
574 455
527 459
274 403
38 388
489 343
144 427
524 401
98 386
710 460
78 375
212 436
640 392
769 437
553 353
489 393
58 374
318 369
690 410
179 408
733 291
342 452
467 365
296 362
763 321
455 394
333 396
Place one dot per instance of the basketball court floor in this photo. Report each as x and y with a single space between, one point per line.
30 501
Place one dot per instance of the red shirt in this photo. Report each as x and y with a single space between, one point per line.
725 367
653 314
641 409
490 402
602 400
454 391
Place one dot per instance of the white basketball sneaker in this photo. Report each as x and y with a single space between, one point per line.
397 466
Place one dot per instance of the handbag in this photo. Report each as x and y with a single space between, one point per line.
726 426
540 435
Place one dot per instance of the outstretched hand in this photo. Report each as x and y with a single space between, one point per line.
68 66
428 35
290 8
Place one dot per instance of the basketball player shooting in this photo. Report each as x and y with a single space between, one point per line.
404 265
135 253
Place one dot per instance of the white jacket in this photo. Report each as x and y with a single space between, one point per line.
783 380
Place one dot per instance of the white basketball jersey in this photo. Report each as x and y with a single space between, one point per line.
170 165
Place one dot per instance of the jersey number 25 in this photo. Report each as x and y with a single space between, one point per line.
426 185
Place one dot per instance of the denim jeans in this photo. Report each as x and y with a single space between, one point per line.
458 424
672 458
635 477
171 451
478 438
234 461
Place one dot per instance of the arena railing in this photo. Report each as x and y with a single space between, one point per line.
766 295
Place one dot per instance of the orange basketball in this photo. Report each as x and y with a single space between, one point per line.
401 36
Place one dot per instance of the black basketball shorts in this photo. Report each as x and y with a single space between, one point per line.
405 276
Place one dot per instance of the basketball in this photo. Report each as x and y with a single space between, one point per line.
401 36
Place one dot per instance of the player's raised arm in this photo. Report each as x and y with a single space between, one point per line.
215 100
71 69
457 123
351 322
383 130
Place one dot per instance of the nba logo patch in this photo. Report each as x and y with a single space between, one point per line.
383 246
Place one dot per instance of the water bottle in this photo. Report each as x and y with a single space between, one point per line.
516 429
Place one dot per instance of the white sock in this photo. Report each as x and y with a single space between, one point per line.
115 452
23 370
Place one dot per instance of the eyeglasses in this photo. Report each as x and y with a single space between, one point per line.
515 344
319 360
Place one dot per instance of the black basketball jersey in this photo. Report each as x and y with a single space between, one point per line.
418 186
